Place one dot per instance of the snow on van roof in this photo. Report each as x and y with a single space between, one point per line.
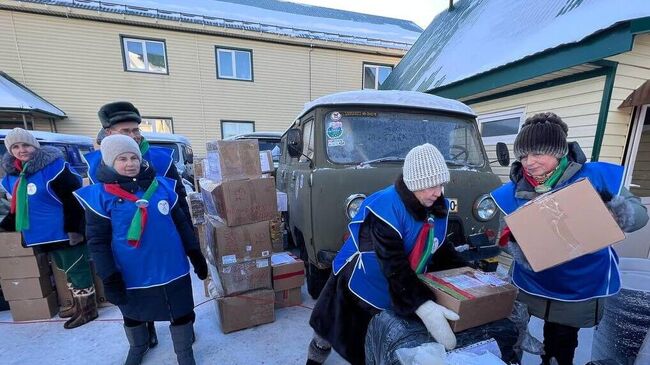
54 137
410 99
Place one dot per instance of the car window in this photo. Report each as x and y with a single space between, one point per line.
307 141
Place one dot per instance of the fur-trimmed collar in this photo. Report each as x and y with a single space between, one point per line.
413 206
42 157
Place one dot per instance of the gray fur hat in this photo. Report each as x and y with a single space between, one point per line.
115 145
19 135
543 134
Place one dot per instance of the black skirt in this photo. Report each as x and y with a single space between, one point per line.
160 303
342 318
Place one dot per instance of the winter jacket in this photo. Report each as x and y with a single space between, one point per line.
590 276
53 210
155 292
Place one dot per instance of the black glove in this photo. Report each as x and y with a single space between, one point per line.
198 261
115 289
605 195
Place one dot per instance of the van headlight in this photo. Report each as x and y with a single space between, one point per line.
485 208
352 204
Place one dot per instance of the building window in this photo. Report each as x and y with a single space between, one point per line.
501 126
234 64
233 128
375 75
157 125
144 55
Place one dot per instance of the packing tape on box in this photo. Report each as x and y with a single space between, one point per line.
446 287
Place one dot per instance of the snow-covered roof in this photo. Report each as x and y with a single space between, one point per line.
17 98
481 35
409 99
268 16
165 137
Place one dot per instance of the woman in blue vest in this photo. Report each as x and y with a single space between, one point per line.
399 232
40 183
140 240
568 296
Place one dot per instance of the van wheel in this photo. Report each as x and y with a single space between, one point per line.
316 279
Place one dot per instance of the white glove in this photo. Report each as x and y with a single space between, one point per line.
434 317
75 238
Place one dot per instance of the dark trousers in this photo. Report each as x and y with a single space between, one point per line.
560 342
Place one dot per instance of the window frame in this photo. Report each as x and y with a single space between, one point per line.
497 116
125 64
377 65
234 63
221 122
171 119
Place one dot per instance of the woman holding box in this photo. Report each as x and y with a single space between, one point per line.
40 183
568 296
140 240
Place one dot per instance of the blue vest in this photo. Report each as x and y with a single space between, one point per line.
45 208
159 157
160 258
590 276
367 280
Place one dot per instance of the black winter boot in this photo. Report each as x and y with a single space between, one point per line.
182 337
138 338
153 337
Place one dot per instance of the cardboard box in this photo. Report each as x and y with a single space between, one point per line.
230 245
245 310
288 298
277 234
477 297
233 160
27 288
266 162
282 201
33 309
567 223
63 294
288 271
197 207
24 267
11 245
242 201
245 276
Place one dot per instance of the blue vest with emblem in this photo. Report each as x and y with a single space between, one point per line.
367 280
159 157
160 258
590 276
45 208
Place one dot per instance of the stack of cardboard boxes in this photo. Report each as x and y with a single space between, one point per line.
25 280
240 204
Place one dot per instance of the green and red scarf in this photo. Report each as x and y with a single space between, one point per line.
423 249
144 146
139 221
19 203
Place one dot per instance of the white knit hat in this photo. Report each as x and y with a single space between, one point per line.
424 167
115 145
19 135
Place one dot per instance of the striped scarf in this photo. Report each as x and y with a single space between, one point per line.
19 203
424 247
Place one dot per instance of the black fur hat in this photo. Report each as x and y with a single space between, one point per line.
544 134
119 111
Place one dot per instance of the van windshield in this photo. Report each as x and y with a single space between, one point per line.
357 137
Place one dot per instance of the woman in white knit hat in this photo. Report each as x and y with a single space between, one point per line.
40 183
399 232
140 240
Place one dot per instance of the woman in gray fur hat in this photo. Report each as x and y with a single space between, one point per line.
568 296
40 183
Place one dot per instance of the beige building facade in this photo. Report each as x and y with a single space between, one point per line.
75 59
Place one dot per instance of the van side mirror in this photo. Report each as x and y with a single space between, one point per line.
503 155
294 142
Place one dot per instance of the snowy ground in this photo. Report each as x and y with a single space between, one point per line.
103 342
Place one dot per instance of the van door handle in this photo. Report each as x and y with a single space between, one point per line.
293 175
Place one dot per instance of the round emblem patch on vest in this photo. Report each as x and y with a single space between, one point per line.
31 189
163 207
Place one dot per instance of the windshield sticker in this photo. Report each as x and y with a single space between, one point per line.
359 114
336 116
334 130
335 142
